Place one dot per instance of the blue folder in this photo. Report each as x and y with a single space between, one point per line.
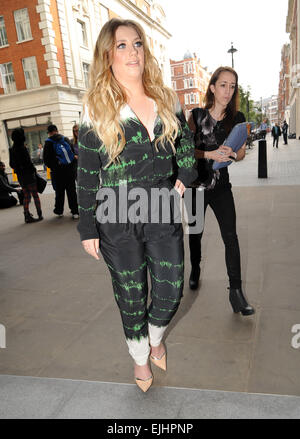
235 140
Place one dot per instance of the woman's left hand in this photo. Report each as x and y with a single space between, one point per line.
226 150
179 187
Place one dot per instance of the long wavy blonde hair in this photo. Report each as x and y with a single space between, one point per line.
106 96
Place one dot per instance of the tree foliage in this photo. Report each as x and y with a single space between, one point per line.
252 113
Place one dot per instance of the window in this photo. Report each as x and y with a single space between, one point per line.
191 83
191 67
186 99
86 68
82 33
22 25
3 36
31 72
174 85
8 78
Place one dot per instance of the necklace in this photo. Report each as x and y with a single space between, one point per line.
218 118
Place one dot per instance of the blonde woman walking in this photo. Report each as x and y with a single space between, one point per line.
129 137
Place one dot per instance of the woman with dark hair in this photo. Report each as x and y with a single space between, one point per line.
21 162
211 125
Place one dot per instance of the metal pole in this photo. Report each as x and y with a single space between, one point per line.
232 50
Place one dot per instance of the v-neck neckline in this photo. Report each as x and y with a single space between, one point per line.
152 134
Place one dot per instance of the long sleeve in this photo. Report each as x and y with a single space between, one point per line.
20 161
89 165
185 152
49 155
5 186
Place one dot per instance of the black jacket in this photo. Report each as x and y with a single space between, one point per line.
278 132
20 162
210 136
50 158
139 165
5 187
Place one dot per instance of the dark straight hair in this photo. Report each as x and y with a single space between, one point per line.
233 106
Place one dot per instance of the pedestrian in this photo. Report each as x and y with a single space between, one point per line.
74 143
276 133
40 153
263 129
129 137
21 162
285 132
6 188
59 157
211 126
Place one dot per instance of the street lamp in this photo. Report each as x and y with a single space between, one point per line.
232 50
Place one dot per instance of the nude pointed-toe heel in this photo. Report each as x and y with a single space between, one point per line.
144 385
161 361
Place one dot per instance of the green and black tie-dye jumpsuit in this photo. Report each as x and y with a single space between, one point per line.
131 249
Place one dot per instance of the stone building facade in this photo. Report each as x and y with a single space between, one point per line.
46 47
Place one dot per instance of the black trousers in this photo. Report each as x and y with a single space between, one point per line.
8 202
285 138
131 251
275 141
65 182
222 203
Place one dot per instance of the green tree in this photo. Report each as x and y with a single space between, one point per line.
247 104
251 112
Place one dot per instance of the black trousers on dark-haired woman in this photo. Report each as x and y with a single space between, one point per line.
221 202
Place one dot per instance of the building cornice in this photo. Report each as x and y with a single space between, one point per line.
141 14
53 97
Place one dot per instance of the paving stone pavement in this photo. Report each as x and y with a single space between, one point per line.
65 354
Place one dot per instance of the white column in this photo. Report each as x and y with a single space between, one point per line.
63 8
48 41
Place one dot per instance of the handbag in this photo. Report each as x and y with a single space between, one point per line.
41 183
207 177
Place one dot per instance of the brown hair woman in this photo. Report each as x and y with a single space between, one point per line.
211 125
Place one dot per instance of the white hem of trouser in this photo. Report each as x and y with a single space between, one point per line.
139 350
156 334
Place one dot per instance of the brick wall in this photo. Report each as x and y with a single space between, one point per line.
15 52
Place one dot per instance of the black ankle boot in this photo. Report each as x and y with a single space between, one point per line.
40 216
29 218
239 302
194 277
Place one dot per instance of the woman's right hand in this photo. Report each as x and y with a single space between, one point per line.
91 246
218 155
